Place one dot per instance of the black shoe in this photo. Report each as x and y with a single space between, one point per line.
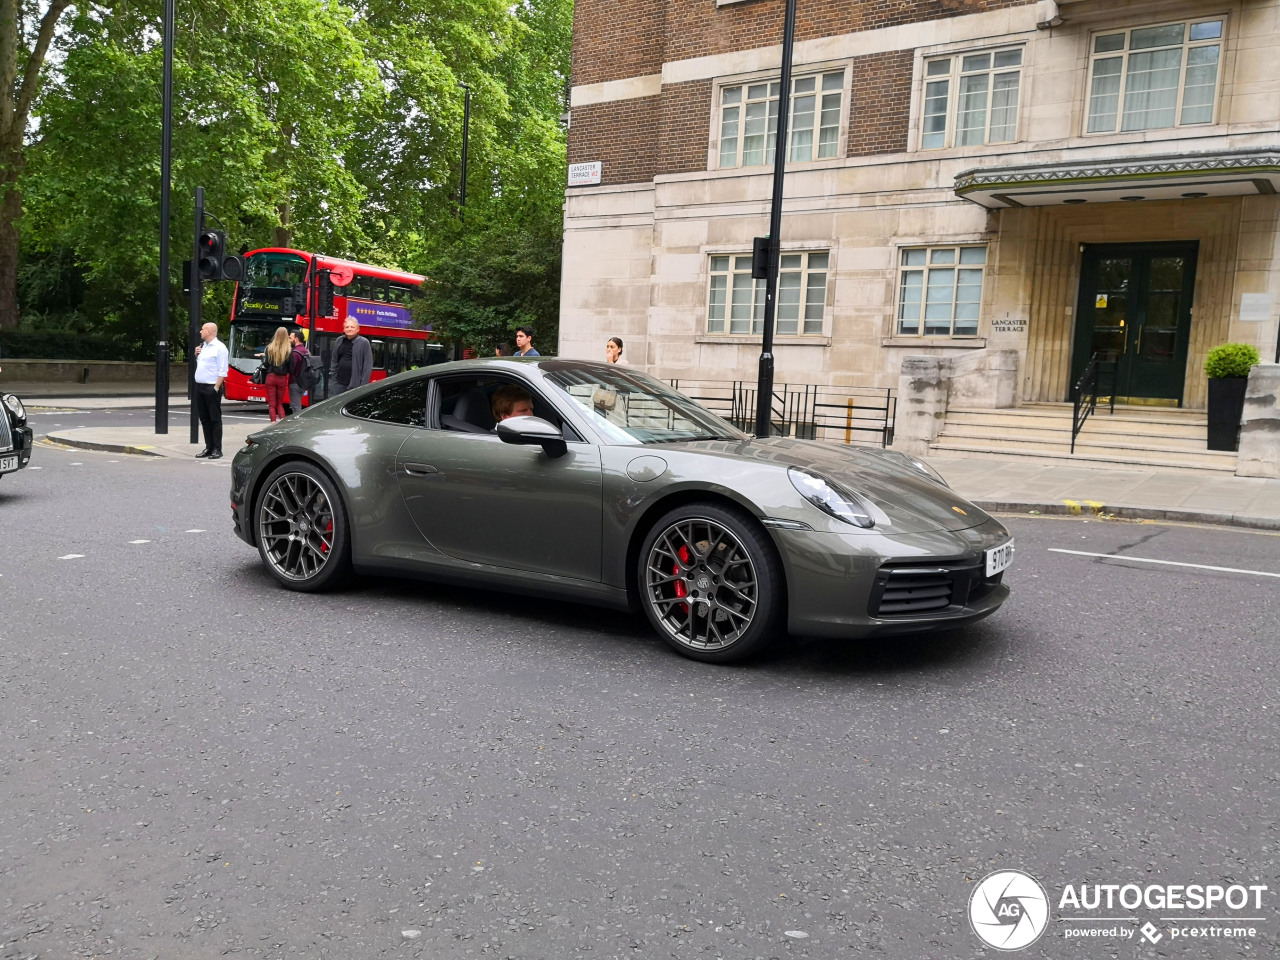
216 455
204 454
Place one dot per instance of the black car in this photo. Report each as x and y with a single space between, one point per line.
15 435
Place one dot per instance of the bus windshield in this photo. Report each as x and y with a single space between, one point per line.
248 342
280 270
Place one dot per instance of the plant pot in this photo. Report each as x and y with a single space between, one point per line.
1226 408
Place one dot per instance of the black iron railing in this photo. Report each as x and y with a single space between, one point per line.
804 411
1084 395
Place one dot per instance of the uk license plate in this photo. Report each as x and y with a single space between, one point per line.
254 396
998 558
8 463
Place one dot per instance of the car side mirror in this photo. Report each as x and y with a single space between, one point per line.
531 430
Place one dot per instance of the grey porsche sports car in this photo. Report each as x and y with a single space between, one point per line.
592 482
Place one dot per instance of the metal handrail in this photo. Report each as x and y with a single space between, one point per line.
802 410
1084 395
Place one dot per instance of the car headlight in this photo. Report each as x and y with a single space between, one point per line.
16 408
840 504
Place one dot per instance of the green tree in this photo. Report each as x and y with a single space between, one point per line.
499 266
266 98
25 36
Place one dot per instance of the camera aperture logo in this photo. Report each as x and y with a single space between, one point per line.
1009 910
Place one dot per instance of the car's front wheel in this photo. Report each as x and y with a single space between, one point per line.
710 583
302 528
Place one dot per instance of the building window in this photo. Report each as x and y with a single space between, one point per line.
971 99
940 291
735 302
1154 77
749 120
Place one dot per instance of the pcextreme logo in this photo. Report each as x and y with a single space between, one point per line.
1009 910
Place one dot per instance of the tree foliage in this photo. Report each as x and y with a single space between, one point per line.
327 127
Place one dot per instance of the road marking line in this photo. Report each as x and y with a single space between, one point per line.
72 556
1171 563
139 541
196 531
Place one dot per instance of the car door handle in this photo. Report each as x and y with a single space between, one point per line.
419 469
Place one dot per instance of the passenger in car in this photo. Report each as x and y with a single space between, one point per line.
511 401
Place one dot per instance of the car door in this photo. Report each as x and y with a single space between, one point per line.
480 500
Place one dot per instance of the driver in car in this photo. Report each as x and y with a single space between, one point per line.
511 401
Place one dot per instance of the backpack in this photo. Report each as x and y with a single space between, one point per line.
309 372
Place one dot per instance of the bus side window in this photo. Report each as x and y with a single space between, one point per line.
395 357
417 350
379 354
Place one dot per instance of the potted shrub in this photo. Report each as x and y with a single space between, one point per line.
1228 369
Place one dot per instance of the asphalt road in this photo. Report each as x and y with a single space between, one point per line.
199 764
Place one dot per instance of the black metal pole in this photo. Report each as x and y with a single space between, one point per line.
193 315
166 157
466 132
764 388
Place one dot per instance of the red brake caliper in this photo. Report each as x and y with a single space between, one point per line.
324 544
681 589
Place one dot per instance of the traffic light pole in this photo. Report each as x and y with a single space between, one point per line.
166 158
764 385
193 332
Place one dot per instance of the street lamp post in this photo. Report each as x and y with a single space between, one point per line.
466 131
166 156
764 385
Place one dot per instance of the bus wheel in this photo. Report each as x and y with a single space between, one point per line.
302 528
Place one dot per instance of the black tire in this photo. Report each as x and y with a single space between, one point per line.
711 583
301 528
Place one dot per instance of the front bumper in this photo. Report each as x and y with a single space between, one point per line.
883 585
21 440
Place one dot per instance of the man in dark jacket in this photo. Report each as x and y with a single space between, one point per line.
351 364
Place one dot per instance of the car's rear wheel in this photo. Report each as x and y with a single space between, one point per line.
302 528
710 583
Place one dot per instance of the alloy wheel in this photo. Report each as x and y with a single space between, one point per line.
295 526
701 584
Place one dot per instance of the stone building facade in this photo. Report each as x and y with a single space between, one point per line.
1056 178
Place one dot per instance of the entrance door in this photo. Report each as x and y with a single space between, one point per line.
1135 309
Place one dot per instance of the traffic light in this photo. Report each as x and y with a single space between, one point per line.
215 263
324 294
760 250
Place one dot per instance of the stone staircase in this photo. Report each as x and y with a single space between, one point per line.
1134 436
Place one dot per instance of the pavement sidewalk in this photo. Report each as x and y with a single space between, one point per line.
92 396
998 485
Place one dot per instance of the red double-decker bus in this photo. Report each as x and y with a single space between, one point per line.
314 294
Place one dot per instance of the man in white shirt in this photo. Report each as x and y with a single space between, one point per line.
211 372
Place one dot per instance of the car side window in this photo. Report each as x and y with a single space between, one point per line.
404 402
466 405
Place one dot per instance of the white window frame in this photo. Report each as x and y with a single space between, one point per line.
1126 53
929 260
955 69
736 279
828 82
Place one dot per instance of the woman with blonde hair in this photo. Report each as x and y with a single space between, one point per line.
278 356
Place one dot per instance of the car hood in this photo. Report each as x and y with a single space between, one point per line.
911 500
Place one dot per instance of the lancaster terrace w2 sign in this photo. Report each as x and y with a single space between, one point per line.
585 174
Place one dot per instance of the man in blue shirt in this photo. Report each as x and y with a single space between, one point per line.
211 373
524 342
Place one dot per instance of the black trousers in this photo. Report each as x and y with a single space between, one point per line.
209 410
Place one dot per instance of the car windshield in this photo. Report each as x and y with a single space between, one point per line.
632 407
